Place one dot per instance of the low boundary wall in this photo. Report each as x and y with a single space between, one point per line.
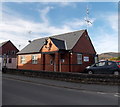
68 76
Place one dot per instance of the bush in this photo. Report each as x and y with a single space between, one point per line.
115 58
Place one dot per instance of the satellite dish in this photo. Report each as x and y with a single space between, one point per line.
29 41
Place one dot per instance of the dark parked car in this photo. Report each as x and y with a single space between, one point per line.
104 67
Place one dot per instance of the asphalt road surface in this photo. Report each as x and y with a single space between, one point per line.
19 92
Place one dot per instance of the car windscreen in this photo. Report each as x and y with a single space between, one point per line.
118 63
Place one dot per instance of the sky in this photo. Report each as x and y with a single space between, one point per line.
23 21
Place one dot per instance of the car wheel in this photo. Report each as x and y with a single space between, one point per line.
116 73
90 72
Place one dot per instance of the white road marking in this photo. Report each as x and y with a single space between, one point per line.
116 95
101 93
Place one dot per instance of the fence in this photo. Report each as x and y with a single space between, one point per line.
68 76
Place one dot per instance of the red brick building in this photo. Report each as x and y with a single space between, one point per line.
8 56
69 52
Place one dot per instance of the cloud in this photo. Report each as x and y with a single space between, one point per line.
105 37
106 43
67 3
80 23
15 28
110 20
17 39
43 14
48 0
76 23
113 21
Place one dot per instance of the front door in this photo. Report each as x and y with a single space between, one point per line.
52 62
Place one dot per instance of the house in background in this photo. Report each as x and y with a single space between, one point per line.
69 52
8 57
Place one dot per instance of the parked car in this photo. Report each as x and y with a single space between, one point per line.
104 67
118 63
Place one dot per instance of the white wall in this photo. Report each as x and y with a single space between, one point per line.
13 64
8 65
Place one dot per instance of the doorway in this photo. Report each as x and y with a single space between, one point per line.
52 62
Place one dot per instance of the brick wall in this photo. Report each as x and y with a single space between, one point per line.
84 45
28 62
80 67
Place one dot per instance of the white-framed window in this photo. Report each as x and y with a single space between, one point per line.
34 59
22 59
86 59
79 58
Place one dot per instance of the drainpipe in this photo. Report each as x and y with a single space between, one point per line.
70 61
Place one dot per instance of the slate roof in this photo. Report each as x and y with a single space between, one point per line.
63 41
59 43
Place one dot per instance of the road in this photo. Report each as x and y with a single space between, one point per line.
21 92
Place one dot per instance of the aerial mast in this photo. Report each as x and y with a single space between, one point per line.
87 20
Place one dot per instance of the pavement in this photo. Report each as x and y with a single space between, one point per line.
22 90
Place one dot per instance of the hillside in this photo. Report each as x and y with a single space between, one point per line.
108 55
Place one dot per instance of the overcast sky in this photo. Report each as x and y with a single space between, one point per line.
23 21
